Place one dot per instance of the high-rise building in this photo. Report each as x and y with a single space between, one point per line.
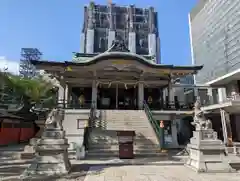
136 27
215 37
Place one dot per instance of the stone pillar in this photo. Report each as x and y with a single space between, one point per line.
90 41
111 38
152 38
82 43
222 95
90 30
152 43
226 127
140 95
132 42
111 33
132 34
210 95
94 93
174 133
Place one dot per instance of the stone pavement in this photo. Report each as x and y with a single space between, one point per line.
114 169
153 173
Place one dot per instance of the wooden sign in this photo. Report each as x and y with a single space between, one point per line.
120 62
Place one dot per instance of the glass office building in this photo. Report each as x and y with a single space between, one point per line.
215 37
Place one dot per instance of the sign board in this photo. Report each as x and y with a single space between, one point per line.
124 139
120 62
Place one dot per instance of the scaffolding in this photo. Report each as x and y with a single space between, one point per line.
26 69
122 20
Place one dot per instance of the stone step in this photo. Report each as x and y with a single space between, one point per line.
116 153
100 150
102 142
122 127
116 145
94 138
27 156
109 142
97 145
152 151
114 120
138 134
10 154
134 122
149 137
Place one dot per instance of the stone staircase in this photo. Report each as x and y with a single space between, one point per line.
103 137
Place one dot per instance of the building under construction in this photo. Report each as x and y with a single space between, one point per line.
136 27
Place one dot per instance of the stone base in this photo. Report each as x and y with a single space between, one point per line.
29 150
207 153
207 161
49 165
51 158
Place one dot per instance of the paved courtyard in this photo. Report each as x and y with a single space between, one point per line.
115 172
153 173
113 169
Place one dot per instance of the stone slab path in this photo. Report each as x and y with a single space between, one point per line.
153 173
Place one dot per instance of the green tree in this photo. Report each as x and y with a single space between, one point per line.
28 92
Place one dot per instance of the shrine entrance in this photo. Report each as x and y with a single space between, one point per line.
117 96
127 98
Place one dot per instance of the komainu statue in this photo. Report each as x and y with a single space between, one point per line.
54 119
200 122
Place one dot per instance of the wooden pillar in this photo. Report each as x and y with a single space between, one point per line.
61 92
66 92
94 93
140 95
116 96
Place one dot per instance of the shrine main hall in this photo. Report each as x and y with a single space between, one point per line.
116 79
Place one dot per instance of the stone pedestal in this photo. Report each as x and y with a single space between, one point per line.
29 150
51 158
207 153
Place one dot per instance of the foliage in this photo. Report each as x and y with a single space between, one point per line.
33 91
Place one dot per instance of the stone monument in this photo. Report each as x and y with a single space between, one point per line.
206 151
51 157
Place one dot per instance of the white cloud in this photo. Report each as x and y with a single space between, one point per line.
9 66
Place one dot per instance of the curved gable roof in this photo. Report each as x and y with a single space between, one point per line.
120 55
118 50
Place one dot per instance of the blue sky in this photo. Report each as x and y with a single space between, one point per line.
54 27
